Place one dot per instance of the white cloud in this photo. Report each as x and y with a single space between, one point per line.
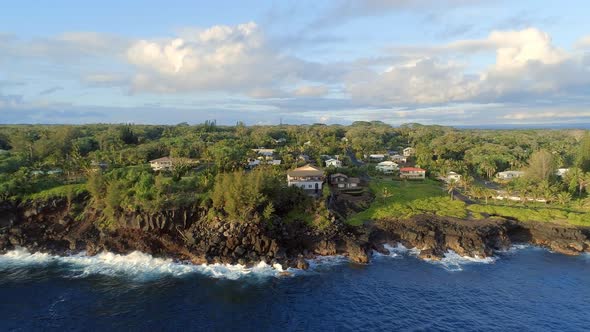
221 58
311 91
526 64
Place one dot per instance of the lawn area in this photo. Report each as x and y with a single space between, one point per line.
534 213
63 191
403 199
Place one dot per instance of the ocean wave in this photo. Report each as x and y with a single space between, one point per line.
136 265
455 262
451 260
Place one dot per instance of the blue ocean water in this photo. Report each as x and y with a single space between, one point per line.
525 289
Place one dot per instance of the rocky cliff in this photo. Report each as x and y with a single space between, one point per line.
185 234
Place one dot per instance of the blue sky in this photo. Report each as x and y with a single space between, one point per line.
450 62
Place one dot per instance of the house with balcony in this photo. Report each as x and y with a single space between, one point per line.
306 177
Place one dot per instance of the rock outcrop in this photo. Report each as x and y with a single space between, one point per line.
185 234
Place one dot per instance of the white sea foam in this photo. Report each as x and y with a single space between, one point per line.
451 260
455 262
136 265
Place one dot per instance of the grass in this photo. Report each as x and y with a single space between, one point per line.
534 213
63 191
404 199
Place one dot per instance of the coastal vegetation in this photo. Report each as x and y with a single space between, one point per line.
108 164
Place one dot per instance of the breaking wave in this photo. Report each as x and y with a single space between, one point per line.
136 265
451 261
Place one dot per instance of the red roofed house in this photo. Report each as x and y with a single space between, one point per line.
412 173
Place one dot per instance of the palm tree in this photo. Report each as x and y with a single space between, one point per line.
451 186
489 167
563 198
466 182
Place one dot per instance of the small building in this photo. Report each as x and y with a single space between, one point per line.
451 177
412 173
561 172
306 177
387 167
267 154
376 157
408 152
161 164
333 163
398 158
342 181
509 175
167 163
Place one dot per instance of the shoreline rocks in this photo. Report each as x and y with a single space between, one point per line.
49 228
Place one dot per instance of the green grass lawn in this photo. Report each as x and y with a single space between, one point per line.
403 199
536 212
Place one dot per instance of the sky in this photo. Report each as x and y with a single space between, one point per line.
448 62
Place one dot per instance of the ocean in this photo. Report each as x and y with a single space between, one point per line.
523 289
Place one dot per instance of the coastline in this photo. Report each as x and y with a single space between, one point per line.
46 227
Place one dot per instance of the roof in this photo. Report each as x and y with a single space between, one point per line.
377 155
306 170
331 160
387 163
412 169
335 175
409 148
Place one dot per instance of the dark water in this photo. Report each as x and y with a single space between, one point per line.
526 290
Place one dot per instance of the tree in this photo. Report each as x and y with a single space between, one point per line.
489 168
541 165
583 154
451 186
563 198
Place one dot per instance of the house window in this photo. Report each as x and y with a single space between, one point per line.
309 186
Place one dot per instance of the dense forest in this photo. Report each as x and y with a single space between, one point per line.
109 163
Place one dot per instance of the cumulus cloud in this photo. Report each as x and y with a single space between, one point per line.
226 58
526 64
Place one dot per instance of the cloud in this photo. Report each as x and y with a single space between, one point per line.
220 58
527 66
106 80
347 10
311 91
50 90
70 46
583 43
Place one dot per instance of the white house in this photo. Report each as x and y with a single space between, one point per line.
376 157
451 177
306 177
408 152
342 181
387 167
399 158
562 171
509 175
167 163
161 164
333 163
412 173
